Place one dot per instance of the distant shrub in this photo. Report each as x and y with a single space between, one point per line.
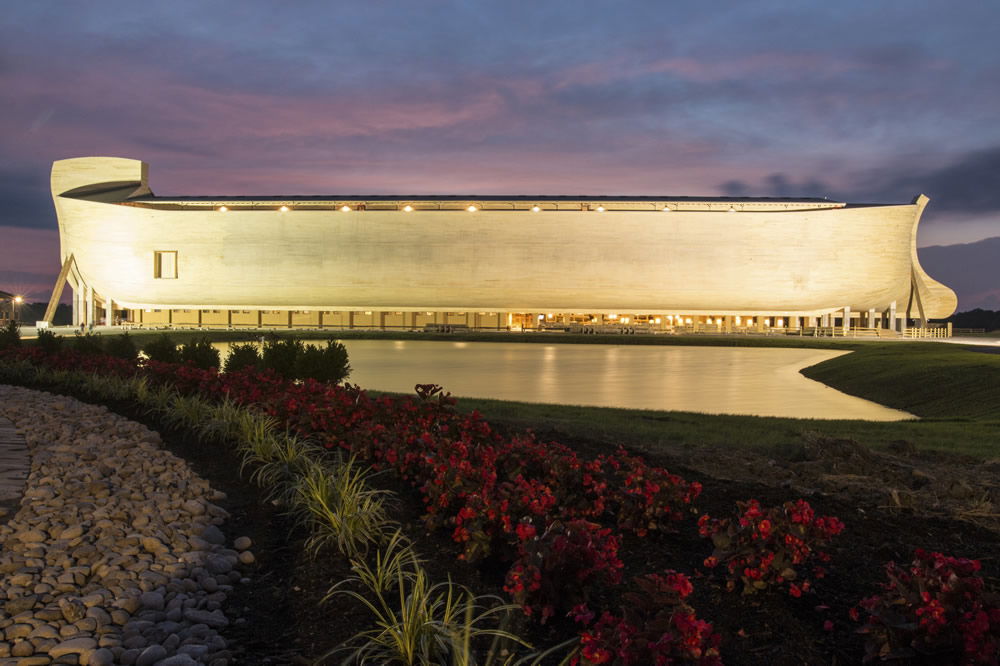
162 348
10 335
325 364
120 346
242 356
87 343
282 356
49 342
201 353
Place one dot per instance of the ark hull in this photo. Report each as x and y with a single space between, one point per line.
704 256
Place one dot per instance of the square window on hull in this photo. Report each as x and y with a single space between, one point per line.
165 265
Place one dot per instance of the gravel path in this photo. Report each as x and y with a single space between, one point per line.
115 555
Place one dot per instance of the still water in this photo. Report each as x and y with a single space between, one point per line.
713 380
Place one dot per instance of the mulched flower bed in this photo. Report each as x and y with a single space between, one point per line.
286 623
479 529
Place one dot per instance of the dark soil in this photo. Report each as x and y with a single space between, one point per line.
280 617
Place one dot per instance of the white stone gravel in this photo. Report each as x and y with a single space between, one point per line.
115 555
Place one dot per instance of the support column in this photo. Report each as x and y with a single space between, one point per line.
893 324
199 317
229 318
847 320
760 323
260 319
77 307
109 311
350 319
381 320
88 306
290 314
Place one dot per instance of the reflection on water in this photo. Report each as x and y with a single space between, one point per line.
714 380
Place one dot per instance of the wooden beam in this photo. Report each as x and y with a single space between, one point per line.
57 290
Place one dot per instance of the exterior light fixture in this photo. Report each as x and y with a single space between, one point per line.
407 208
472 208
284 209
600 209
345 209
223 209
732 210
536 209
666 209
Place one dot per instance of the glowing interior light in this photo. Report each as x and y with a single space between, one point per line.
657 320
781 322
345 209
407 208
541 317
612 316
738 320
472 209
223 209
536 209
284 209
688 320
600 209
548 316
767 322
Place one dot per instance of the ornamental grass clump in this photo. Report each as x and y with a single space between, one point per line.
763 548
416 622
656 626
937 608
339 508
280 462
559 568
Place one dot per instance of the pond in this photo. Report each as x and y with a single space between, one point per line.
713 380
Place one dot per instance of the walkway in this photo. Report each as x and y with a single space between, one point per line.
14 468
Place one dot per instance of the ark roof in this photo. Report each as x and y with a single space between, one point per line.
472 197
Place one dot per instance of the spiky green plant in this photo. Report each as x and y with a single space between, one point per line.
416 622
223 425
186 411
340 508
279 463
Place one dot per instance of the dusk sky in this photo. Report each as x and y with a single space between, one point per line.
853 100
